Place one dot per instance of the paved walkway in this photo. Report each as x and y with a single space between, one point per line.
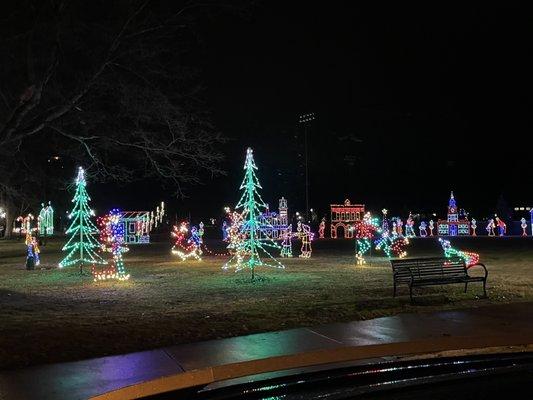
84 379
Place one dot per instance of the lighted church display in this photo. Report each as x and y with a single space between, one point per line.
453 225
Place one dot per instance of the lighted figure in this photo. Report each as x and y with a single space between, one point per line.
409 224
247 251
32 258
186 248
502 228
235 235
112 241
82 244
195 238
25 223
286 242
322 228
364 231
225 231
399 226
201 231
392 245
523 225
431 227
473 225
422 229
384 222
394 231
490 227
305 234
469 257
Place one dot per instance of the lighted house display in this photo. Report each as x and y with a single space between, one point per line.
136 226
343 216
273 223
453 226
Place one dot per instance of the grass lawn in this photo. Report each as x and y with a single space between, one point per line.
53 315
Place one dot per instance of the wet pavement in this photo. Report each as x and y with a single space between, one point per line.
87 378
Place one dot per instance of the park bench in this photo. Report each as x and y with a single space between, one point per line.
417 272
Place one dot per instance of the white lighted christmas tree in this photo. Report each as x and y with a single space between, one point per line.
249 251
82 244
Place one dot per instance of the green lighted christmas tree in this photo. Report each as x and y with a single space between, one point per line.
247 251
82 244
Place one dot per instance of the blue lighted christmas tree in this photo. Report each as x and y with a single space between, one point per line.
248 251
82 243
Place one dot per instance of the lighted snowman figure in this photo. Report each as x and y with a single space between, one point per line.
474 227
431 227
423 230
523 225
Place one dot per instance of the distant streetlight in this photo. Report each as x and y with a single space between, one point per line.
305 120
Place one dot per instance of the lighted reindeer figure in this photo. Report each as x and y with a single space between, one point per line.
305 234
523 225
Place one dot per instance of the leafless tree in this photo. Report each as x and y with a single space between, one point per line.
108 84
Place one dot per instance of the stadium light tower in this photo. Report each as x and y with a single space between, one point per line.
305 120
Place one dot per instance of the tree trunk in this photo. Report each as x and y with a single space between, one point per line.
10 218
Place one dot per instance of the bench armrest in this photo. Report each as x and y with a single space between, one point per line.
481 265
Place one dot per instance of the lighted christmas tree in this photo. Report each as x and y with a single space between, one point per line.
82 244
247 252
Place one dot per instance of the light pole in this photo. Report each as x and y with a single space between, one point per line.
305 120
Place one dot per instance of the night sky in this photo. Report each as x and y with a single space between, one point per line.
410 104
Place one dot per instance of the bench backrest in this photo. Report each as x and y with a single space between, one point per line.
428 267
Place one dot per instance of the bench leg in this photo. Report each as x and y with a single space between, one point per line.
394 293
466 286
411 292
485 288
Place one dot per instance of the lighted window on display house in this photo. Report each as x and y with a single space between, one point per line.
252 251
82 245
453 225
343 218
111 241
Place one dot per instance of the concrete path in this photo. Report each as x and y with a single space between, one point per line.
88 378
